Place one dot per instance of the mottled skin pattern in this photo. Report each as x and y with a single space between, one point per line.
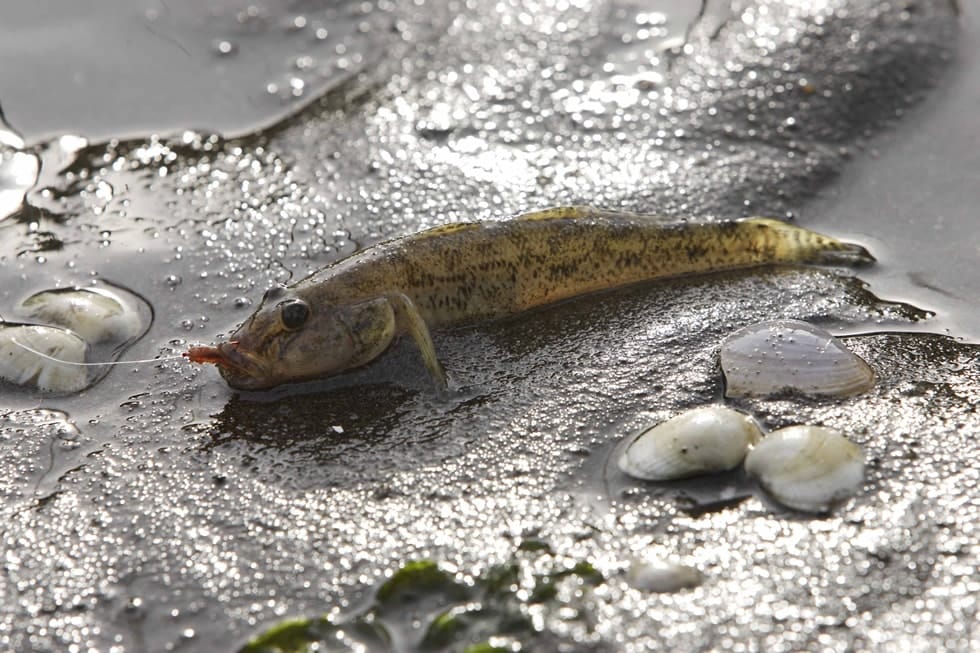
465 273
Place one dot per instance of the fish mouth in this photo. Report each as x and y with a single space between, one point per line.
231 361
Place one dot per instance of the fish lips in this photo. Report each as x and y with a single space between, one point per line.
239 368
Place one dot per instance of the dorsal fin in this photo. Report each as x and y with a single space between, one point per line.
450 228
562 213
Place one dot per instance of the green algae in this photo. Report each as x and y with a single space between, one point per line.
428 606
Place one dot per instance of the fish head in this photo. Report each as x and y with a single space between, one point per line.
289 338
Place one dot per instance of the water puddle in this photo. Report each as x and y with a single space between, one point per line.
39 447
227 67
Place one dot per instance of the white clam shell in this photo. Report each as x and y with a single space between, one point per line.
98 314
655 575
18 172
779 355
26 368
808 468
699 441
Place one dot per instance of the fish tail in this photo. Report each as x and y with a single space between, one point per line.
796 244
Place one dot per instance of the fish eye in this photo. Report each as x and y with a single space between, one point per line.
294 313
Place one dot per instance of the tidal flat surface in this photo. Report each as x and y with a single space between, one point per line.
159 510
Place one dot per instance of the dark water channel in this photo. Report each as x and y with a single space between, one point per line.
198 153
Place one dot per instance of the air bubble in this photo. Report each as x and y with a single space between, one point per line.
224 48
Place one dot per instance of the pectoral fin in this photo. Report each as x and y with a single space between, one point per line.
409 320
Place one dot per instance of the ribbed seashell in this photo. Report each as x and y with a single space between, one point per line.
26 368
699 441
808 468
790 355
98 314
655 575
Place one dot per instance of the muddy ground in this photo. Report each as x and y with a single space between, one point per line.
160 510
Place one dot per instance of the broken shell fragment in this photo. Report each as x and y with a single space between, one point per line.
655 575
26 368
790 355
98 314
700 441
808 468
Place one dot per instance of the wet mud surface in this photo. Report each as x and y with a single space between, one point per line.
159 510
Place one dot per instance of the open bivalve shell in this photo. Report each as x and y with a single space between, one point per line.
25 368
99 313
808 468
699 441
790 355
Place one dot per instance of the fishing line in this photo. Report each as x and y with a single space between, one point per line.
63 362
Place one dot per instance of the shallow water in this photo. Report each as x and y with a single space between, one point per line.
912 194
159 510
114 69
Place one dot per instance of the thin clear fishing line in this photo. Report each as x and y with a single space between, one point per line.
58 360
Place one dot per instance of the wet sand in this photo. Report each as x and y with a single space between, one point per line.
160 510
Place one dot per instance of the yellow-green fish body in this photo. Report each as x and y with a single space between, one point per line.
347 314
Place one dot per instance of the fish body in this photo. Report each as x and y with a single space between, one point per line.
348 313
